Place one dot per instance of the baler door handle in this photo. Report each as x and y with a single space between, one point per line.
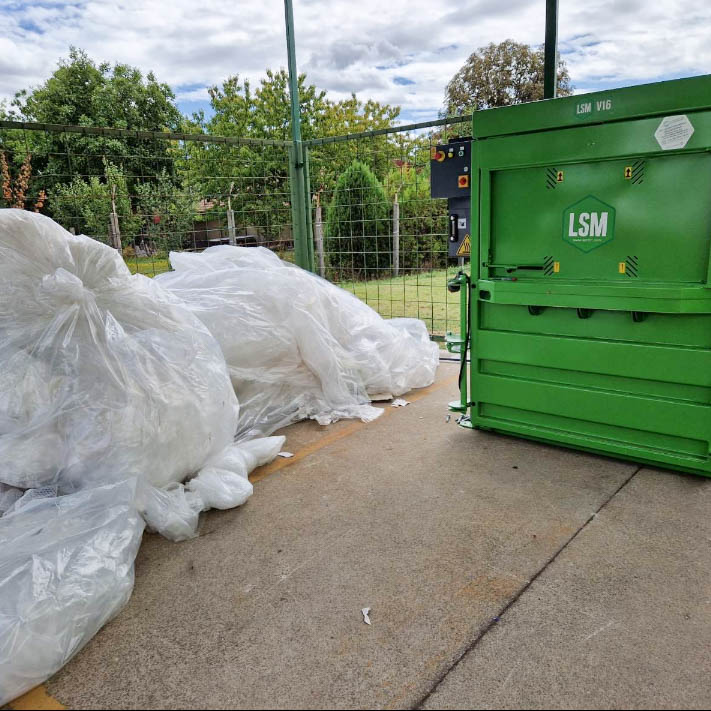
514 267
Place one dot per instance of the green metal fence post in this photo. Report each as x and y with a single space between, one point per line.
298 206
297 159
550 66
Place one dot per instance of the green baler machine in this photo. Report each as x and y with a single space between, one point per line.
590 293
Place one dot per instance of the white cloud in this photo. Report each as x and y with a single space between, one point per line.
351 46
199 94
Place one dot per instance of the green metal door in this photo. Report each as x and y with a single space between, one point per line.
629 220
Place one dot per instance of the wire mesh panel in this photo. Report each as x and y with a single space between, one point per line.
149 193
377 231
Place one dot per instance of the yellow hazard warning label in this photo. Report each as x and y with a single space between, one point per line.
622 267
556 267
628 172
559 176
465 247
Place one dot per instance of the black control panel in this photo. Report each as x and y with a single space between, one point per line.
450 168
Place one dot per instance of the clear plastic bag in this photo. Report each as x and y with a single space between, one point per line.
8 496
105 375
222 483
296 345
66 562
66 568
111 393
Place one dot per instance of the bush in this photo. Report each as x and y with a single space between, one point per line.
86 206
167 211
423 221
358 243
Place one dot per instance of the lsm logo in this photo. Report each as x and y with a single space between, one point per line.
588 223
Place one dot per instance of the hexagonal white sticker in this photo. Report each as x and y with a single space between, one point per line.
674 132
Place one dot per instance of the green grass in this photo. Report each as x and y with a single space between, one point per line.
423 295
150 266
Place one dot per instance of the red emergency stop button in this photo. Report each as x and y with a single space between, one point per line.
463 181
437 155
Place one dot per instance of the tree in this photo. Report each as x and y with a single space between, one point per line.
260 174
239 110
358 243
265 112
501 75
254 176
423 241
351 115
168 213
86 206
82 93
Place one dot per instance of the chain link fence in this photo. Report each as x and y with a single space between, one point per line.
372 226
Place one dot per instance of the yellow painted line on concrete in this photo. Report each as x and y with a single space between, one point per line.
280 463
39 698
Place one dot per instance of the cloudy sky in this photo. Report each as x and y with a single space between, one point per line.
398 51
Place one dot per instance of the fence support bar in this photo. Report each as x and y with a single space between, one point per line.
298 160
307 210
298 205
550 64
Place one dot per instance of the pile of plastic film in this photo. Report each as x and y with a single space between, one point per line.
296 345
118 410
112 394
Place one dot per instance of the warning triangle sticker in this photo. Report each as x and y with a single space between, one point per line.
465 247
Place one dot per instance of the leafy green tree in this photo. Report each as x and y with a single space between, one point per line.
348 116
423 221
253 178
86 205
81 92
167 212
358 243
500 75
264 112
256 178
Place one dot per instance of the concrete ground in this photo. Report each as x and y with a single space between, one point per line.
500 573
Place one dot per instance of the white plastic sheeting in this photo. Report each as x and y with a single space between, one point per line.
66 568
8 496
66 562
104 374
222 483
296 345
111 394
